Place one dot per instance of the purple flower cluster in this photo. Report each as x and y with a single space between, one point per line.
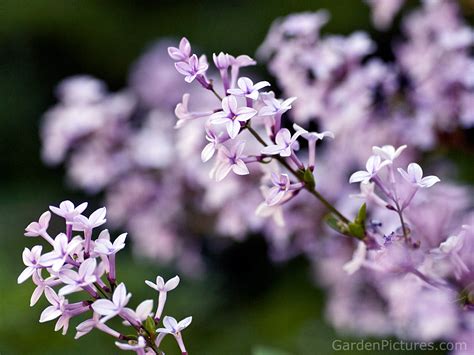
78 263
406 267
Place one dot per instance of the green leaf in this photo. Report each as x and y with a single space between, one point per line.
308 178
149 325
336 224
357 230
362 215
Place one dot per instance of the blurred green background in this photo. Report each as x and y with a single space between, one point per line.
245 304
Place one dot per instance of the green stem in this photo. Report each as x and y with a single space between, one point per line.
312 191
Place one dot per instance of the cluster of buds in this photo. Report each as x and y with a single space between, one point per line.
80 264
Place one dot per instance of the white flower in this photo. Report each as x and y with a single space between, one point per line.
388 152
414 175
373 165
110 308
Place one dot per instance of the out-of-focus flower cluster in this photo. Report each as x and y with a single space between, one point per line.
405 268
80 264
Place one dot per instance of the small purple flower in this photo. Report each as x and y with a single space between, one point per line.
175 328
143 311
282 185
182 53
183 114
247 88
230 160
214 140
232 116
76 281
41 286
163 289
414 175
31 258
373 165
274 106
222 60
57 305
104 246
111 308
35 229
68 211
285 143
192 68
96 219
61 251
388 152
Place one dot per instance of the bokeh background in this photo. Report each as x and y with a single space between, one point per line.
245 304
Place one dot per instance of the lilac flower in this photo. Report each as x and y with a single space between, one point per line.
373 166
137 346
192 68
175 328
62 250
247 88
214 140
230 159
142 312
106 247
35 229
388 152
184 115
222 60
274 106
56 308
312 138
31 258
281 186
183 52
414 175
94 322
96 219
111 308
163 289
41 286
284 145
75 281
232 116
67 210
265 211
